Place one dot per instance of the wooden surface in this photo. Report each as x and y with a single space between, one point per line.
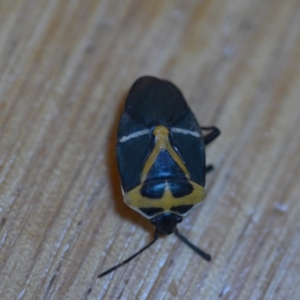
66 67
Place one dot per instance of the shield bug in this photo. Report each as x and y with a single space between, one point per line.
161 157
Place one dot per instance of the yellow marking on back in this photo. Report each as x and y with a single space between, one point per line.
135 200
162 142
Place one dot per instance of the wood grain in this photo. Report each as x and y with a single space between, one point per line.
66 67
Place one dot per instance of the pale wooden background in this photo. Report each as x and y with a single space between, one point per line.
66 67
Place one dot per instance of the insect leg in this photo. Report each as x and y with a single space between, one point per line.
209 168
215 132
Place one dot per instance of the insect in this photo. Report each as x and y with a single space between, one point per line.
161 157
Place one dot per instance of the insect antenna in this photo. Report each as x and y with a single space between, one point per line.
130 258
200 252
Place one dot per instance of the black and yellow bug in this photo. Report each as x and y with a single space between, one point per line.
161 157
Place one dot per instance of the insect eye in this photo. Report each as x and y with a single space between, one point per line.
178 219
